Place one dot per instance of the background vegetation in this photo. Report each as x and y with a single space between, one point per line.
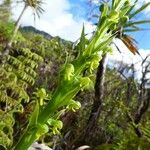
45 79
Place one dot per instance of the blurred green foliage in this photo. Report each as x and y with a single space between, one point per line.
33 76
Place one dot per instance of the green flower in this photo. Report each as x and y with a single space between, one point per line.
55 125
73 105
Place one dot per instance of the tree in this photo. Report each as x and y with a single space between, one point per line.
5 10
37 9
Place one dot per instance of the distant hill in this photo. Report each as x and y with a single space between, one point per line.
45 34
34 30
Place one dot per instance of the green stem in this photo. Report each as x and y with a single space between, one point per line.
29 135
26 140
59 97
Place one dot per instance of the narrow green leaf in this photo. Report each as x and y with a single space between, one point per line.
34 116
131 30
120 3
104 9
132 7
137 23
134 30
113 3
133 27
125 10
82 40
139 10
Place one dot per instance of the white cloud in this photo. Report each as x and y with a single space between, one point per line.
127 57
1 2
56 20
95 1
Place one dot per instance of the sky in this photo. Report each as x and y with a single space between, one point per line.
65 18
62 18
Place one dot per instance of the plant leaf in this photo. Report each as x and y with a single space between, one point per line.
137 23
34 116
139 10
